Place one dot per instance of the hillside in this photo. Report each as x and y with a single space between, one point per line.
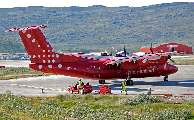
98 28
11 46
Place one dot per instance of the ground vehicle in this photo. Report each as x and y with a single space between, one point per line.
80 89
104 89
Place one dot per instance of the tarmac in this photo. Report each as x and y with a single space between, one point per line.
179 84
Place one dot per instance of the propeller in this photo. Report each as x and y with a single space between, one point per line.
169 56
151 49
125 51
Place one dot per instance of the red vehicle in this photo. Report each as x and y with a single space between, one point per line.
80 89
104 89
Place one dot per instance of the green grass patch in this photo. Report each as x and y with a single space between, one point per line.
92 107
20 72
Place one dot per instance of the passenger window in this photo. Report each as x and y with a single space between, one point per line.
107 68
111 68
114 68
156 66
104 68
118 68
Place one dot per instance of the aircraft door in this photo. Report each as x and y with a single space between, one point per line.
97 72
172 49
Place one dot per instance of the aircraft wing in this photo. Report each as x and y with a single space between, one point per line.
135 62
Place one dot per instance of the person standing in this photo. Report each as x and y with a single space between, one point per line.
123 88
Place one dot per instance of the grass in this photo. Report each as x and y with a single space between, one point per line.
20 72
183 61
90 107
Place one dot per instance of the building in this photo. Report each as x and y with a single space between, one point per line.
169 47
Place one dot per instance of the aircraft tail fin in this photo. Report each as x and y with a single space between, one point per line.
39 50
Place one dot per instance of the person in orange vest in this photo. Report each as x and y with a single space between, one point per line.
123 88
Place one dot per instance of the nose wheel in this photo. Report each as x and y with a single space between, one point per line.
129 82
166 78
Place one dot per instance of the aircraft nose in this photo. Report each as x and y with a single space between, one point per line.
174 69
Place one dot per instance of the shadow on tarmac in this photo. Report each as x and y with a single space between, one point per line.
117 84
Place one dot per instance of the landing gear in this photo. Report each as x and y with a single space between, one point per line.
166 78
129 82
102 81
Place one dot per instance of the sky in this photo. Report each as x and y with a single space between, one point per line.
84 3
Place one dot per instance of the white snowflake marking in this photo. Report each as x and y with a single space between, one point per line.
60 66
57 55
53 61
28 35
50 66
40 66
33 40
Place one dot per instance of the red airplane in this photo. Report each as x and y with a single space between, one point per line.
104 67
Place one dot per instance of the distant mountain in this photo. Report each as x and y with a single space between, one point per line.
98 28
11 46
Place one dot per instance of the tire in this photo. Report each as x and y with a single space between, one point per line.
165 79
129 82
71 91
81 91
102 81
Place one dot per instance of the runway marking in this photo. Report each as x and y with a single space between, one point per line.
185 82
163 90
13 84
38 87
185 87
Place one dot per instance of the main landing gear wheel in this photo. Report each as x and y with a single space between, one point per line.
81 91
166 78
129 82
102 81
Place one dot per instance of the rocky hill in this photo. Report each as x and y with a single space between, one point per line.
99 28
